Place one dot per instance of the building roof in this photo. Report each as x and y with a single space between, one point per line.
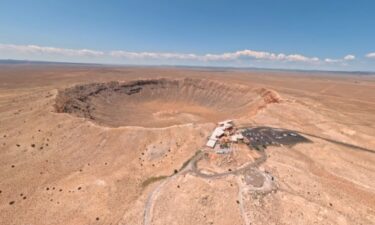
211 143
236 137
217 133
225 122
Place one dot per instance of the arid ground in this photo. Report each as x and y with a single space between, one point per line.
126 145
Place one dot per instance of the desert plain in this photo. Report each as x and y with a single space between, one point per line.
92 144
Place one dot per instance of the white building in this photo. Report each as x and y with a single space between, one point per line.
236 137
211 143
218 132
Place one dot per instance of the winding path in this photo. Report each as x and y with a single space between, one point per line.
191 167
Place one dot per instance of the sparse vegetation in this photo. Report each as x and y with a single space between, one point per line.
151 180
189 160
145 177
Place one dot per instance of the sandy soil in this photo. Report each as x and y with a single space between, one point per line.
120 163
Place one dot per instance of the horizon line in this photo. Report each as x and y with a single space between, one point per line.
27 61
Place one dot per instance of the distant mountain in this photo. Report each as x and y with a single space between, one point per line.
204 68
30 62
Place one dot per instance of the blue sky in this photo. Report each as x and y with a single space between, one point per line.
292 34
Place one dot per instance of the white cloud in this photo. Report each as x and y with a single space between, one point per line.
342 61
243 54
228 56
242 57
35 49
371 55
301 58
349 57
152 55
328 60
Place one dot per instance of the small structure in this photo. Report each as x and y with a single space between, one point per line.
223 151
219 132
227 124
222 123
211 143
236 137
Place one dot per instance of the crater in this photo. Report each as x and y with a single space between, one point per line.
161 102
